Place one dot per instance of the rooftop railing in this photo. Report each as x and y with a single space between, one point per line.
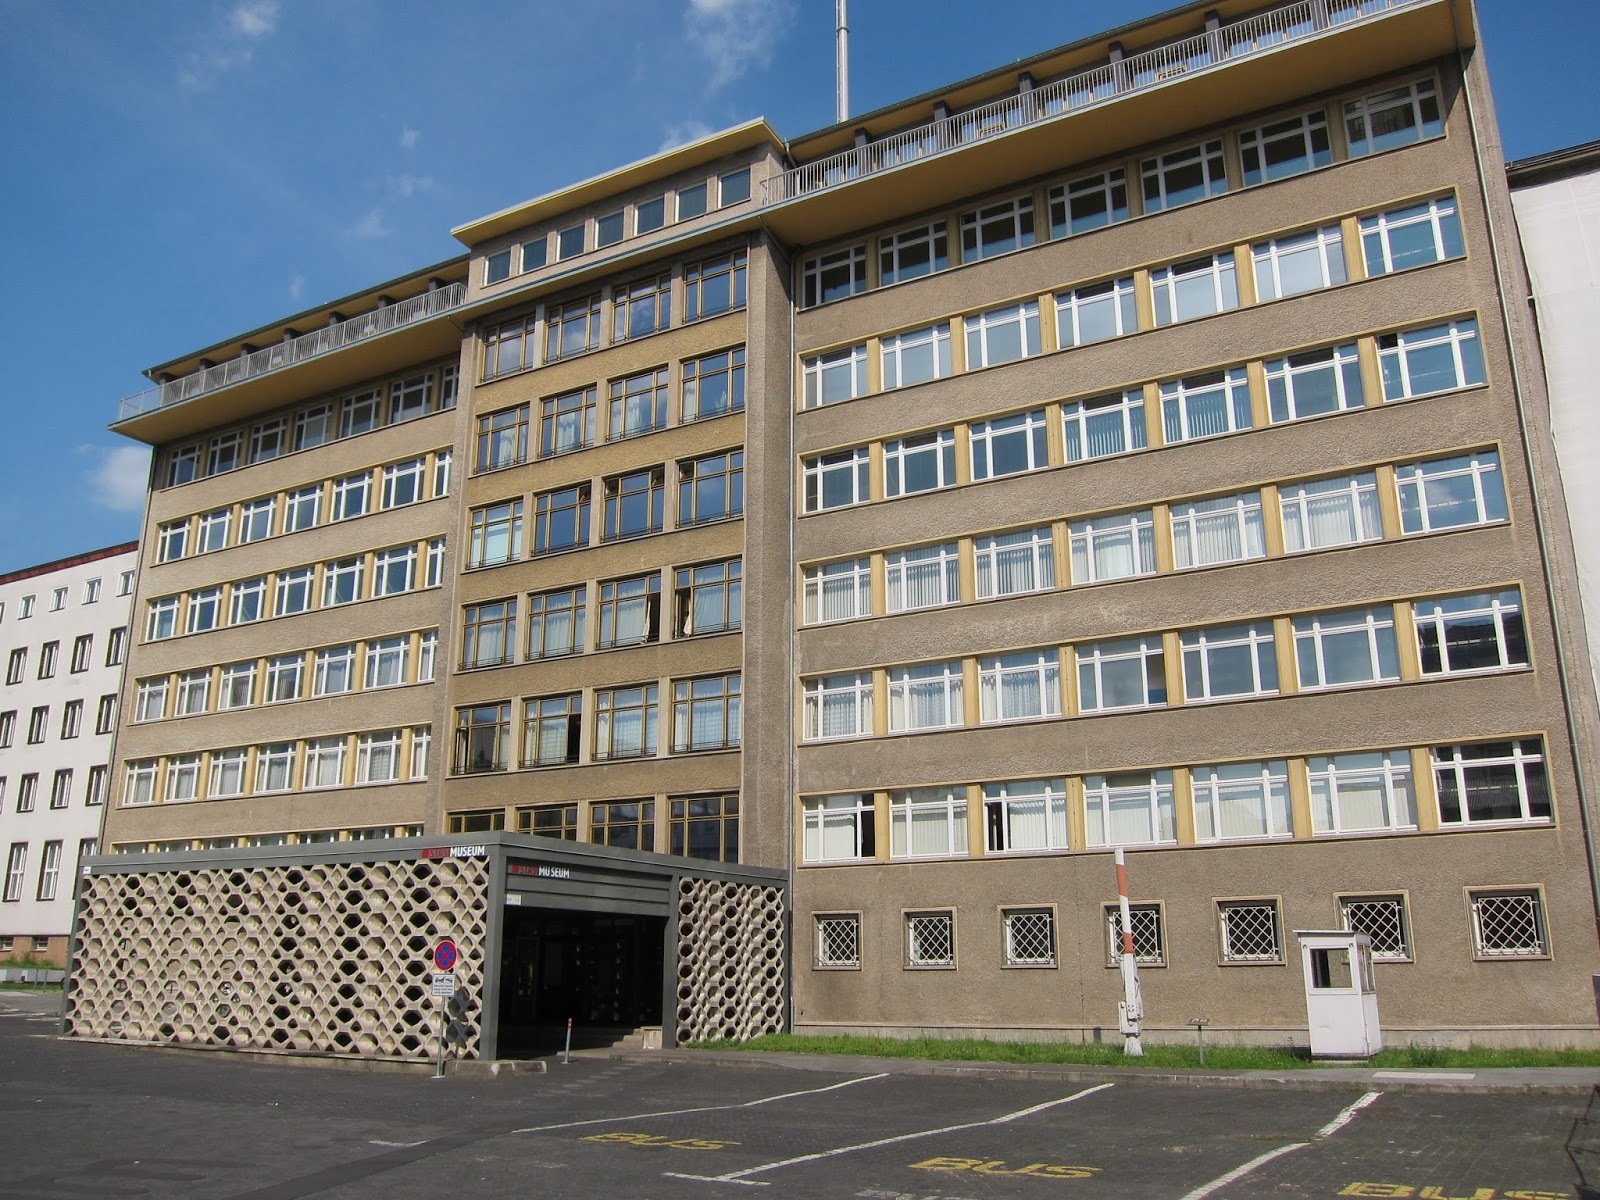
1261 34
295 350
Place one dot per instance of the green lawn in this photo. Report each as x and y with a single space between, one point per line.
1228 1058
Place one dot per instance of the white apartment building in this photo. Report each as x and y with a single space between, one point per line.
63 640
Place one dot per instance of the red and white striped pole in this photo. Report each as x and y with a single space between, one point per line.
1130 1012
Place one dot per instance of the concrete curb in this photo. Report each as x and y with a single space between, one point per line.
1496 1080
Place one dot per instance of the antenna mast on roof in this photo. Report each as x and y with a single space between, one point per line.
842 66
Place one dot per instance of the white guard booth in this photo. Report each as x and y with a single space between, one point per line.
1341 1001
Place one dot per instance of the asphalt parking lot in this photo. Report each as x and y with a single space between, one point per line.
87 1121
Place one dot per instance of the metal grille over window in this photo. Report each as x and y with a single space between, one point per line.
1250 933
1508 925
931 939
1383 919
839 941
1031 938
1149 943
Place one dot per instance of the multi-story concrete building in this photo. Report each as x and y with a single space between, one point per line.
63 637
1141 446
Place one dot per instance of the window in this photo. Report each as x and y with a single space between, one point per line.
1009 445
247 601
630 612
838 828
1449 493
485 821
378 757
225 452
183 778
427 653
410 398
116 646
1396 117
184 466
925 577
27 792
1284 148
302 508
403 483
1095 312
58 599
641 308
550 820
204 610
714 287
839 375
483 738
1089 203
91 591
105 714
325 762
256 518
1019 687
503 438
48 654
1250 931
569 242
1330 512
638 405
38 722
708 598
284 678
649 215
711 488
838 939
28 603
388 662
488 634
566 423
997 229
1196 288
1491 781
394 571
342 581
496 534
1301 262
511 347
360 413
840 591
706 713
928 822
1361 793
1505 924
16 869
1002 335
193 693
8 728
572 328
931 939
928 696
334 670
17 665
293 591
313 426
1383 919
552 730
237 685
691 201
95 793
608 230
1149 935
1412 236
1183 176
536 253
172 540
713 385
1206 405
1230 661
71 719
275 766
836 480
1345 648
1126 673
633 504
1025 814
1313 383
227 776
351 496
834 276
555 623
838 706
1010 564
1439 358
914 357
1227 529
625 722
1241 800
497 267
920 463
1467 634
705 827
734 187
139 784
1114 547
912 253
267 441
82 651
1030 936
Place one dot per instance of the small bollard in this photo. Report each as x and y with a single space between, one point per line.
566 1055
1200 1024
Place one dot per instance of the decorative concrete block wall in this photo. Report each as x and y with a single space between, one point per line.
731 960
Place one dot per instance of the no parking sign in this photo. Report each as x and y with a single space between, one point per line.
445 955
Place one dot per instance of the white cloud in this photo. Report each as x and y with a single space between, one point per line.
406 185
230 44
297 287
118 477
408 138
736 35
371 225
682 135
254 18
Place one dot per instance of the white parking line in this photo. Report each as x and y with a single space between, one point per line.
680 1112
1346 1115
741 1176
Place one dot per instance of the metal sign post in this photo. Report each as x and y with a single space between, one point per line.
1130 1011
444 987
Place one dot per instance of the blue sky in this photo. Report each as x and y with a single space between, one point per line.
179 172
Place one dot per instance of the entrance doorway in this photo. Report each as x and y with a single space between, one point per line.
604 971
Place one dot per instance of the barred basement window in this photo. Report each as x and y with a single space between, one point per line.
1250 931
1383 919
838 937
1508 925
1149 935
931 939
1030 937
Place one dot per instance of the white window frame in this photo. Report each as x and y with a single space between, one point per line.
834 377
903 355
150 699
292 583
211 531
1255 639
1522 755
388 661
851 261
1398 920
334 670
820 469
172 540
1086 302
1025 557
352 497
1375 625
1279 262
839 951
901 454
1214 278
891 246
1198 526
139 783
1492 609
1303 129
281 670
1012 920
192 693
1033 673
246 597
851 815
939 686
301 503
1093 659
325 763
825 584
257 518
1412 481
203 611
396 475
394 571
344 581
1083 422
1413 97
1111 187
915 813
227 773
1145 797
1383 777
931 939
1481 900
995 225
1442 219
1027 429
826 697
1179 397
1232 953
1155 175
1260 789
182 781
1291 375
984 328
1132 535
378 757
230 679
1352 498
1397 351
1015 807
908 572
